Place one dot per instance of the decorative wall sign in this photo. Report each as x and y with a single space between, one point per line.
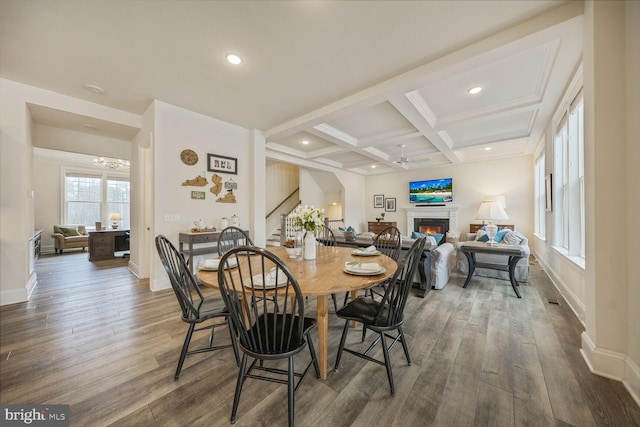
224 164
378 200
198 195
189 157
198 181
217 184
390 204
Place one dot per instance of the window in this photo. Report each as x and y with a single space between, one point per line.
83 198
92 196
540 197
569 175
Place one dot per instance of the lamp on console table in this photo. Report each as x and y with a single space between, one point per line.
115 216
491 211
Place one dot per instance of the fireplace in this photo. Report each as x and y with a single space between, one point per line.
431 225
447 214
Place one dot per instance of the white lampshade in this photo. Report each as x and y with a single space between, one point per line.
491 211
497 198
115 216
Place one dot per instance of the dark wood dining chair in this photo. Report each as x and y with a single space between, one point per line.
195 308
232 237
268 328
383 316
389 242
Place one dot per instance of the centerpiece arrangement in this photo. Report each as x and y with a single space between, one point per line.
311 220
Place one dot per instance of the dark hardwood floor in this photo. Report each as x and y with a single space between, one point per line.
94 337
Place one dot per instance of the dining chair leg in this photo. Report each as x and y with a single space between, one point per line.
335 301
185 348
404 344
343 339
234 342
387 363
314 357
236 397
291 390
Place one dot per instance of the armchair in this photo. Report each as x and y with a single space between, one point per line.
70 236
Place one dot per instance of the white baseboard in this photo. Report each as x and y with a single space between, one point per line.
160 284
565 291
13 296
613 365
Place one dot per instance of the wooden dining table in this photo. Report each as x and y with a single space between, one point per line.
320 278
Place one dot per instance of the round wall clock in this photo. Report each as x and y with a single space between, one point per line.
189 157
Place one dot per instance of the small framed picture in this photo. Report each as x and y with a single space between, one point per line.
224 164
378 200
390 204
198 195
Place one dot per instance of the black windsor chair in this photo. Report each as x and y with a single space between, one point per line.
196 309
269 327
385 315
232 237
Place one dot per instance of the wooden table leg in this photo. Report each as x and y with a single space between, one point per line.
323 332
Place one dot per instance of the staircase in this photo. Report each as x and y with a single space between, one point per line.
274 238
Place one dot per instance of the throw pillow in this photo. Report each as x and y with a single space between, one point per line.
69 231
500 236
511 238
481 236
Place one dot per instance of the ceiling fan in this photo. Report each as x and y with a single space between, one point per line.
402 161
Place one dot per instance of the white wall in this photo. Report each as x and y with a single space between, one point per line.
632 53
311 193
79 142
175 129
512 177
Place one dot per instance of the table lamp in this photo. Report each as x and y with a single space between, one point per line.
115 216
491 211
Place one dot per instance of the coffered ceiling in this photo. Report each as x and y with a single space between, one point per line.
360 81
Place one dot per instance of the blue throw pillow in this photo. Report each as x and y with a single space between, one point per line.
501 235
415 235
482 237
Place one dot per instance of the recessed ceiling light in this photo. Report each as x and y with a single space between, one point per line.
232 58
487 148
373 166
305 142
88 126
475 89
94 88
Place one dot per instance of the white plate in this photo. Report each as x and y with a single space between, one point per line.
362 253
359 272
232 264
257 281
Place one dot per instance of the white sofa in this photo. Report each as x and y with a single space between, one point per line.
522 268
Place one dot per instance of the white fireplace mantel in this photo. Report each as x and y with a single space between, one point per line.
450 212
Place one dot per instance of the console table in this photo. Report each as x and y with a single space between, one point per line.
424 267
376 227
104 244
514 252
473 228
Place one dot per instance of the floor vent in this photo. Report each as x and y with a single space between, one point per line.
553 301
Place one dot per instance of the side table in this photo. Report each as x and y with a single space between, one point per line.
514 252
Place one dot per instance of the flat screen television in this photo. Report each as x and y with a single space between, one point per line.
431 191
